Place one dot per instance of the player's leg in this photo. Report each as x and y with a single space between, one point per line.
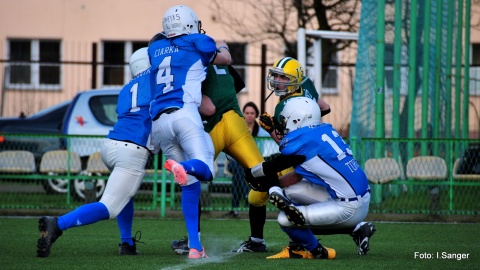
127 244
242 147
126 178
364 230
196 144
306 239
187 140
190 204
123 183
181 246
329 216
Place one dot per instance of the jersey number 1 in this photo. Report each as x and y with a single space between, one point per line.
340 153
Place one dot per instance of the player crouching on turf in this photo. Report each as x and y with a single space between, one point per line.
328 193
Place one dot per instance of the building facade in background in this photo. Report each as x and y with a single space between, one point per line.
52 49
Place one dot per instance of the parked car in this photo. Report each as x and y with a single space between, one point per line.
91 112
47 121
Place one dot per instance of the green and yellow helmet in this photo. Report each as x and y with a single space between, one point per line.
290 70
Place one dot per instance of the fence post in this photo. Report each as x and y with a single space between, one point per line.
94 65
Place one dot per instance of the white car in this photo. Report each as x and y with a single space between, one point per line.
92 112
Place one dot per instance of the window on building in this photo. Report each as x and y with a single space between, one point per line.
238 51
330 80
116 54
34 64
475 70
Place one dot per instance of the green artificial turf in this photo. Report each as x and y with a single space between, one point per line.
394 246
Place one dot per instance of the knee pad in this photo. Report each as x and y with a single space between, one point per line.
257 198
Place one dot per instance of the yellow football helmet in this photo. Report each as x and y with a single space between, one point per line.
285 77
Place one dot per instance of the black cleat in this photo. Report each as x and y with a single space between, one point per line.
232 213
180 246
49 233
362 236
251 246
293 214
125 249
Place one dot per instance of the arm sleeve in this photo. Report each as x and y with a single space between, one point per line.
281 163
325 112
238 80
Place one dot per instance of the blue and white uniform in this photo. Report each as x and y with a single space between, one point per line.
126 149
125 153
133 110
335 191
179 66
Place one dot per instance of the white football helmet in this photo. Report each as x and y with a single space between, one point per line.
180 20
299 112
139 61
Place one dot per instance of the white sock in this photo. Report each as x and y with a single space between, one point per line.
275 189
257 240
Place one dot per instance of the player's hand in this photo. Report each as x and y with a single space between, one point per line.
261 184
266 121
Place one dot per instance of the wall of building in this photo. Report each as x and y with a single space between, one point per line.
80 23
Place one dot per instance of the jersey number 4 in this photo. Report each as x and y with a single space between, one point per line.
164 74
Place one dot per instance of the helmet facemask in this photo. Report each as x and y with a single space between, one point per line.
281 128
282 83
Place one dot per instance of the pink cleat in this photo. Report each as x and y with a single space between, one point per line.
179 173
195 254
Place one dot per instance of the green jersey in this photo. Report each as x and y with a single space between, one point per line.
306 90
219 86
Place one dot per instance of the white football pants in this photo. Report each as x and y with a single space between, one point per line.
126 161
182 137
321 211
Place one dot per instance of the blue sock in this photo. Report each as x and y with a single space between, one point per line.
190 198
303 237
125 223
83 215
197 168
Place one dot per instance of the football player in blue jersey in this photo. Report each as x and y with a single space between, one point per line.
125 152
179 65
331 194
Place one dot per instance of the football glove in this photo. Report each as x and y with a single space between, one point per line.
267 123
261 184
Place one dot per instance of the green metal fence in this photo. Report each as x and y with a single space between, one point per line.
28 181
434 176
445 182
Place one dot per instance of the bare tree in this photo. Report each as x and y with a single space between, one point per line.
278 21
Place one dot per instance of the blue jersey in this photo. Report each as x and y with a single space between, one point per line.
329 160
178 69
134 122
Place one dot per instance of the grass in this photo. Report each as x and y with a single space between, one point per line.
95 247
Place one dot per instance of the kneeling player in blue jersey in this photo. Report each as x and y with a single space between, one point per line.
328 193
